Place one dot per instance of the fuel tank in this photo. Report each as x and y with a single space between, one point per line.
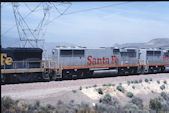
100 73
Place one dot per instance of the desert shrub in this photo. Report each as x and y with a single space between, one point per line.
120 88
106 108
49 106
71 101
133 87
120 84
80 88
162 87
131 108
30 107
104 84
165 96
158 81
129 94
100 107
74 91
151 79
165 82
115 102
59 102
132 82
136 81
137 101
109 84
113 84
140 81
95 85
106 99
165 107
87 87
37 104
155 104
7 103
145 111
84 104
100 91
146 80
128 82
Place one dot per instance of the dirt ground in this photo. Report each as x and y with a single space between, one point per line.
51 92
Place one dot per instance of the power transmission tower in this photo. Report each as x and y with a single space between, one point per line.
28 35
33 36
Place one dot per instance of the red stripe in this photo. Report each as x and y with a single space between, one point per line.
106 66
98 66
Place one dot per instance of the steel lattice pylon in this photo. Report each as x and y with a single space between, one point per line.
33 36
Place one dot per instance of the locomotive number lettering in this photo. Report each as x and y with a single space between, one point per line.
103 60
6 60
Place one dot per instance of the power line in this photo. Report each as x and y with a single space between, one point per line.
85 10
61 13
23 17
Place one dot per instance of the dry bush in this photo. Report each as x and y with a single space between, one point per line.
120 88
162 87
146 80
100 91
137 101
129 94
155 104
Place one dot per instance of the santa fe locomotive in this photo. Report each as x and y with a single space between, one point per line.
26 64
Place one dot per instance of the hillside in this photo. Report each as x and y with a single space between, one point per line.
158 43
106 95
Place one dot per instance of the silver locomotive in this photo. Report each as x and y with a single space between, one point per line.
80 62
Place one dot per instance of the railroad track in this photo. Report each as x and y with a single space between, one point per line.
88 78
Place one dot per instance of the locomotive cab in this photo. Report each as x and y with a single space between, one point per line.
21 64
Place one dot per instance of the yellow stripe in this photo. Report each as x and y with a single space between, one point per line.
8 71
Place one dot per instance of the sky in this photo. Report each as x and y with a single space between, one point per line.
123 22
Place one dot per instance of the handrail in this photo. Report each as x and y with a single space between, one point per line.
27 64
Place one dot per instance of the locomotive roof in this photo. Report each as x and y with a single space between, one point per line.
121 48
153 49
21 49
79 47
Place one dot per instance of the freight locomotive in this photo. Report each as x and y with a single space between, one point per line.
85 62
26 64
21 65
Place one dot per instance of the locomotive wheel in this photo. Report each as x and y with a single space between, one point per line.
52 76
67 74
74 77
162 69
122 72
89 74
133 71
15 79
80 74
2 79
11 78
26 77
